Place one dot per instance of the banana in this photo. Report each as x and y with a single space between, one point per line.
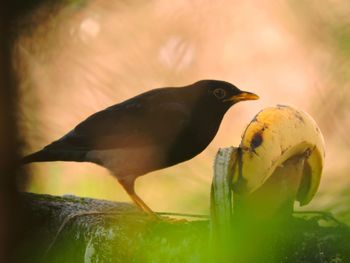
280 160
221 193
275 135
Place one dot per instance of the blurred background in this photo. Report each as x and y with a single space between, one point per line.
80 56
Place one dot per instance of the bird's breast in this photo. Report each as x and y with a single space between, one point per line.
192 141
130 161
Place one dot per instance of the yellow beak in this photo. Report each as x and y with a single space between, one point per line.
244 95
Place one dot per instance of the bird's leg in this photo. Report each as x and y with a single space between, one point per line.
129 186
139 202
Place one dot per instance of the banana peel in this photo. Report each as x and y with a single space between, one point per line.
221 193
275 135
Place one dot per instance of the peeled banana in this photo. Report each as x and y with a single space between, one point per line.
280 160
275 135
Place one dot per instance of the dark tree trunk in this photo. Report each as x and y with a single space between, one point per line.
11 213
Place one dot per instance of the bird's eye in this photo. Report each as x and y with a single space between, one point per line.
219 93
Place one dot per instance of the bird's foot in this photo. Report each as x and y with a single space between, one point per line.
172 220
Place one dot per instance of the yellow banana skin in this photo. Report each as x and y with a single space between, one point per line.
275 135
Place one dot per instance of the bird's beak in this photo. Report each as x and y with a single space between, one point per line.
244 95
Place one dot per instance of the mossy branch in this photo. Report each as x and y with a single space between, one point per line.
122 234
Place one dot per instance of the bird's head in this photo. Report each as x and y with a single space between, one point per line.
222 93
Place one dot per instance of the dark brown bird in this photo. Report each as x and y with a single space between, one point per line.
154 130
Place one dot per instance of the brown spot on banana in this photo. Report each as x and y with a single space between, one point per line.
256 140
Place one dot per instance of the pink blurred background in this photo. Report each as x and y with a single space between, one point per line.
83 56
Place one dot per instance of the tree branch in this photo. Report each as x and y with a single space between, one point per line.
74 229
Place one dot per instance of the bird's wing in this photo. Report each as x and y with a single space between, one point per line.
131 124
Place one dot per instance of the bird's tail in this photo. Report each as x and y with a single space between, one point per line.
51 156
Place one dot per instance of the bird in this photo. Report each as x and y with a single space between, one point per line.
151 131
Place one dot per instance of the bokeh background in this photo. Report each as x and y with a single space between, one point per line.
80 56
